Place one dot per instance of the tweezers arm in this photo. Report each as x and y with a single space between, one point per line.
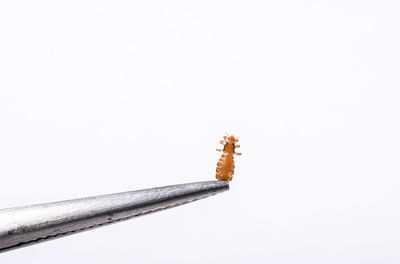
21 226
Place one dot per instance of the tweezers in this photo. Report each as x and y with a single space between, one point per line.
27 225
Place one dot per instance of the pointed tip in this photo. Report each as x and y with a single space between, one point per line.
187 191
211 187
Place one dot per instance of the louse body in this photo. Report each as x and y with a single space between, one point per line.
226 165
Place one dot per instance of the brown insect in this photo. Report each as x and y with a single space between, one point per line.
225 165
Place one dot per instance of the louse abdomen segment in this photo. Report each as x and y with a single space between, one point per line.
225 168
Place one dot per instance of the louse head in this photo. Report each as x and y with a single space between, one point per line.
232 139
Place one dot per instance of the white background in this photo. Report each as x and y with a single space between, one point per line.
99 97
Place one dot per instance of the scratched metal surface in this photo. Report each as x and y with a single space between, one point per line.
27 225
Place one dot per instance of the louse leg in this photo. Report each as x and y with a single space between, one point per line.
237 153
237 146
219 149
